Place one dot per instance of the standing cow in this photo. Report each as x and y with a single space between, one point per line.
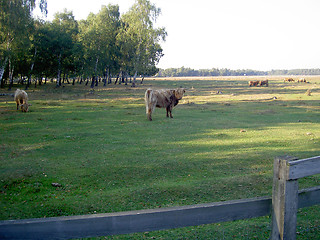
265 82
253 83
163 98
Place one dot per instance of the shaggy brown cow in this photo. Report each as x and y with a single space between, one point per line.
21 98
253 83
163 98
303 80
264 83
289 80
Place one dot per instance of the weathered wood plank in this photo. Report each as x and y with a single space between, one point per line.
284 202
309 197
304 167
144 220
134 221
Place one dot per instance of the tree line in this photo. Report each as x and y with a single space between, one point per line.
106 44
189 72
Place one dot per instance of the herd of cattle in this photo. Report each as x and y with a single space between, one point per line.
301 80
169 98
162 98
258 83
265 82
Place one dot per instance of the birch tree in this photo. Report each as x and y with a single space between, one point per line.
98 36
143 36
65 29
15 18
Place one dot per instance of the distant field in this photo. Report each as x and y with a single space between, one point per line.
99 146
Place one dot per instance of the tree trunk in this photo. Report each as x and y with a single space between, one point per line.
94 78
2 69
59 71
97 81
134 79
126 78
67 78
109 78
93 81
116 79
122 76
31 69
11 70
106 77
142 79
28 82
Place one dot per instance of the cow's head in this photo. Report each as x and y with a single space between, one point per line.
25 107
179 93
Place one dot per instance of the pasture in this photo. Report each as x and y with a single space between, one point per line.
105 156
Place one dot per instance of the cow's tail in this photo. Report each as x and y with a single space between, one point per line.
148 101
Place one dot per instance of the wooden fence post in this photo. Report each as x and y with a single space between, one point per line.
284 201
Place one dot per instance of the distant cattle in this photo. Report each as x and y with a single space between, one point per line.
265 82
302 80
289 80
253 83
258 83
163 98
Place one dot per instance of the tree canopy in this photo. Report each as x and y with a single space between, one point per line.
105 44
184 72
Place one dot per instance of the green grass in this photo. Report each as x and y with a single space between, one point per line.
100 147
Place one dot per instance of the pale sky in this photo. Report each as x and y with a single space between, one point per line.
235 34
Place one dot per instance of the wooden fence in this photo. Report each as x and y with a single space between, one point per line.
285 189
285 198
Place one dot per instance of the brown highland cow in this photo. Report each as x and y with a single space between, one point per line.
163 98
21 98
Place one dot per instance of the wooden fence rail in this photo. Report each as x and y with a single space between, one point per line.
147 220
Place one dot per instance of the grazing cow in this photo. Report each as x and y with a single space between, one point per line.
303 80
163 98
21 98
253 83
289 80
264 83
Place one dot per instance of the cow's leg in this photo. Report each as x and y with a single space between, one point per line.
169 110
149 112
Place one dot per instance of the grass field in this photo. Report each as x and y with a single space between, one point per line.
98 145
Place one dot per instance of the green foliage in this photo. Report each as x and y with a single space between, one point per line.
188 72
102 45
139 29
16 25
